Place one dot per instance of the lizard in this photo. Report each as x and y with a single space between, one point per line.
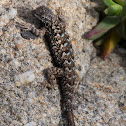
60 47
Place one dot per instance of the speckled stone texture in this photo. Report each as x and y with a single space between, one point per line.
24 98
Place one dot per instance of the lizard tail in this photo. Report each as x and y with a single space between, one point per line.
67 107
70 118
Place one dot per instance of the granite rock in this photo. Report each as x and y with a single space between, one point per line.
100 99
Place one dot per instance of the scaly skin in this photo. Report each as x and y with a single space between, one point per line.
62 54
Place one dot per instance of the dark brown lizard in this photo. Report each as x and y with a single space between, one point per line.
54 30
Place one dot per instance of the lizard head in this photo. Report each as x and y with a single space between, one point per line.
45 15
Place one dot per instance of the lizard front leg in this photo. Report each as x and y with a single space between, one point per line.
37 32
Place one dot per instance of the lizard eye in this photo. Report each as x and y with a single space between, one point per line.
43 19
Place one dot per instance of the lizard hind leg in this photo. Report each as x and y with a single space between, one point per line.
52 73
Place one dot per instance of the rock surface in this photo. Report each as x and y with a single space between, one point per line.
24 99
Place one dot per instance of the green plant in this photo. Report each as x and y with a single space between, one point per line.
112 28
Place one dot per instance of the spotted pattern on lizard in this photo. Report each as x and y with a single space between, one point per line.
54 30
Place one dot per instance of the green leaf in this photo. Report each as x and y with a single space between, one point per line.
113 10
109 2
104 26
99 42
123 21
123 14
111 43
120 2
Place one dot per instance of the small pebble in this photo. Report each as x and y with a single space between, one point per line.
26 77
31 124
12 13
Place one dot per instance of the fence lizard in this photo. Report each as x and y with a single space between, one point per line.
53 28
